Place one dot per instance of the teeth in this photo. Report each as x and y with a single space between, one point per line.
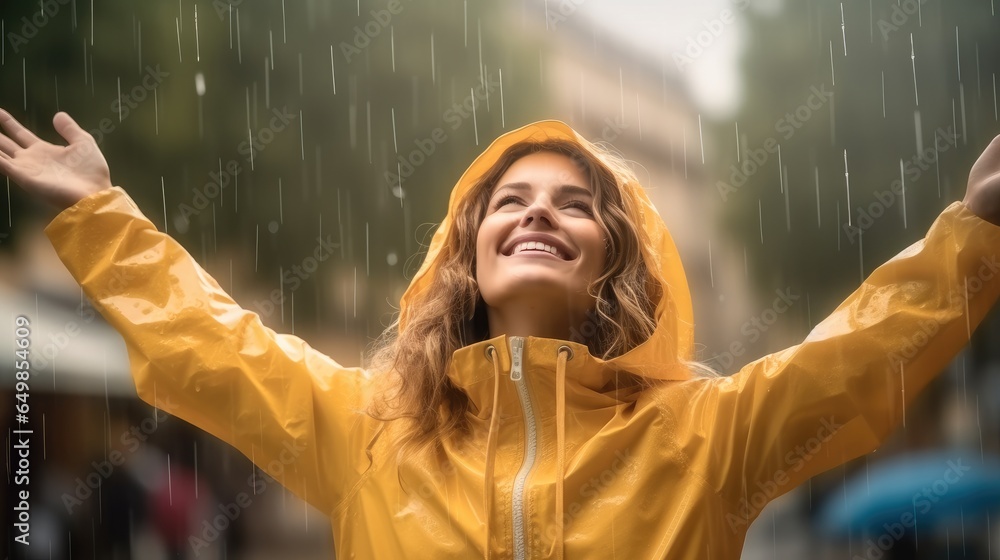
535 246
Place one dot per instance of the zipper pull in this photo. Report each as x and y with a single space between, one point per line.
516 354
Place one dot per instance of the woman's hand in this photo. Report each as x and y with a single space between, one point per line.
983 193
59 175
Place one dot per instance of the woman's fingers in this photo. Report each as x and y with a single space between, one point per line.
16 131
8 146
68 129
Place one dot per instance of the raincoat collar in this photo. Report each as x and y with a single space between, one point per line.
590 382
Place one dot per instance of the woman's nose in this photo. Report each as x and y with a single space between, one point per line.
541 211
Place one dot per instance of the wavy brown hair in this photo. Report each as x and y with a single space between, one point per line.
450 313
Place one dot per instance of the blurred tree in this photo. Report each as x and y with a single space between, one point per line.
806 96
251 130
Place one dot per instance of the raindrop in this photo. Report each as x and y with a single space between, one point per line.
170 485
833 75
958 56
819 221
395 146
177 22
638 119
503 119
781 179
913 64
701 139
391 259
788 214
239 43
843 28
475 122
163 191
902 178
737 142
272 226
760 217
197 40
333 71
961 104
479 37
883 94
711 269
847 186
621 90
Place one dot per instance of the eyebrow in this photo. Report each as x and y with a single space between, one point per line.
563 189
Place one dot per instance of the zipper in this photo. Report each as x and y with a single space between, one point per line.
530 445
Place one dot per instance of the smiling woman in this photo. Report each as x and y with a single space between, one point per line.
481 427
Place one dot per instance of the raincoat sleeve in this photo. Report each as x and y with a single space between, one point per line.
196 354
839 394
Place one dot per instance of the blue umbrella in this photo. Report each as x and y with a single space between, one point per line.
913 492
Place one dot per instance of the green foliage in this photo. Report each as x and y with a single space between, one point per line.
788 55
324 173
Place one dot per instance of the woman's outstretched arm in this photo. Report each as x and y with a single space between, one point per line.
840 393
193 351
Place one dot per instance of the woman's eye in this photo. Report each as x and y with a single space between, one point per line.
577 204
505 201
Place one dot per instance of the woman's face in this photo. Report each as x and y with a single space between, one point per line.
539 238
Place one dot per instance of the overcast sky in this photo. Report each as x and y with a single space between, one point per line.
667 29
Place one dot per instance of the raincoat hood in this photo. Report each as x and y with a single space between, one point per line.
659 357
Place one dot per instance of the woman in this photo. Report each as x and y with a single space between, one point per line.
535 397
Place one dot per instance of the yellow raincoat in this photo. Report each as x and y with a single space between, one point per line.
559 463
